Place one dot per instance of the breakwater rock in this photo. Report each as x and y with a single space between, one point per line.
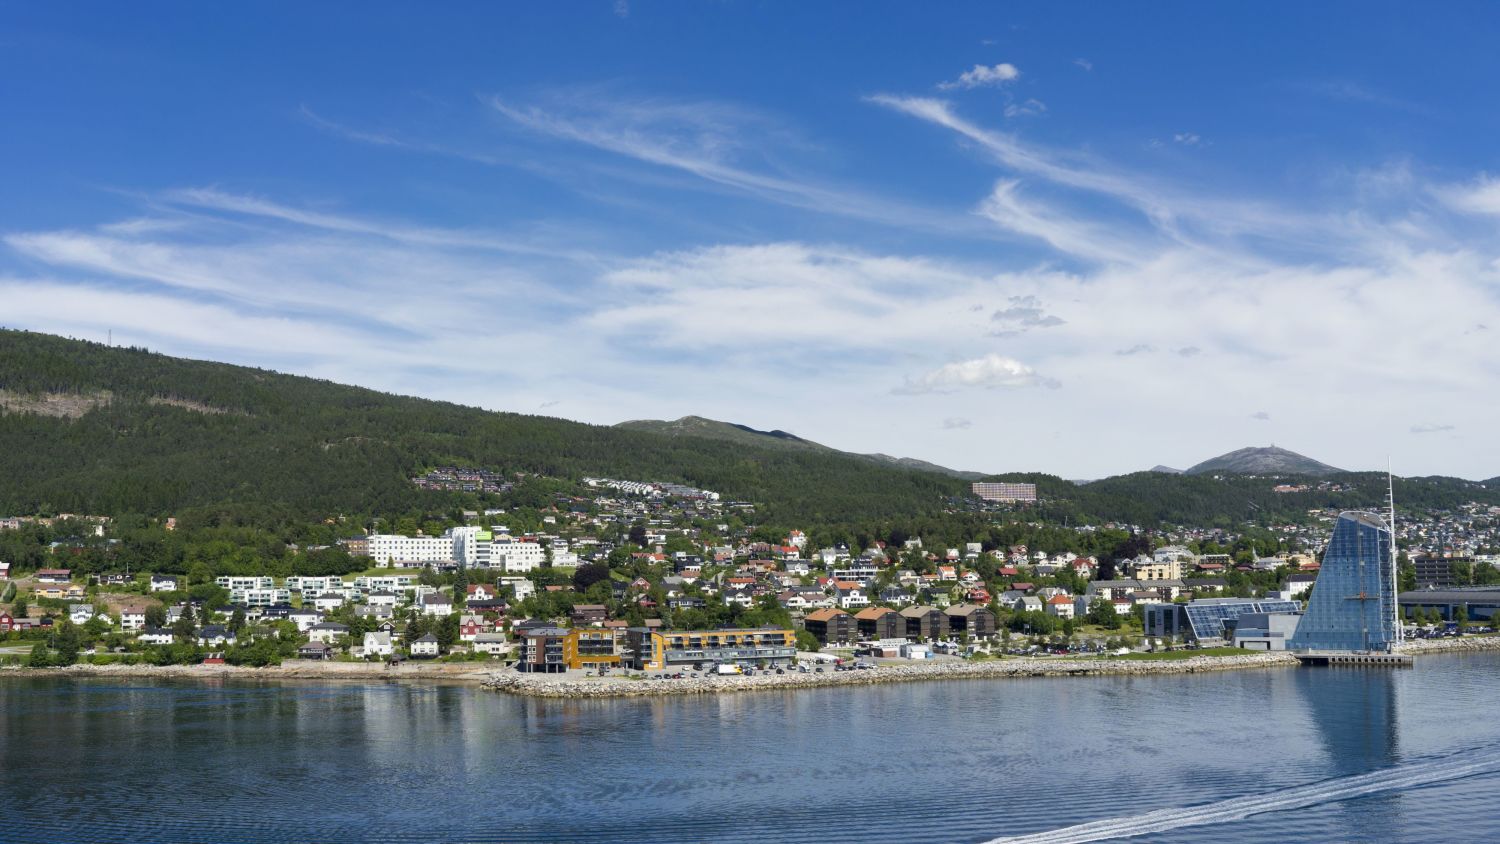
1456 643
555 686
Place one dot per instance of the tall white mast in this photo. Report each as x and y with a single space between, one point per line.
1395 571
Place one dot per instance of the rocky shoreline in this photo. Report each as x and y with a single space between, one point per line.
552 686
1459 643
542 685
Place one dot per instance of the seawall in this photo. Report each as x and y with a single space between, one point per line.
542 685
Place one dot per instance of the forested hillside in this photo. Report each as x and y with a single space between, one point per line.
155 434
89 428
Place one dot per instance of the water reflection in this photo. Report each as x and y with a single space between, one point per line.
1355 713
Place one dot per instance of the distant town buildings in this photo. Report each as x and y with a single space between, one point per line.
1004 492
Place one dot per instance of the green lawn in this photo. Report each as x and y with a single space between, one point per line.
1187 654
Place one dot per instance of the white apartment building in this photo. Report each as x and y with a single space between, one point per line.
471 546
388 547
260 597
386 583
508 554
315 585
236 583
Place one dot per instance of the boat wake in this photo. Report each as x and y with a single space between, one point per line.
1399 778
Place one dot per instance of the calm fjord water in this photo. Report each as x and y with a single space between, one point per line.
1354 755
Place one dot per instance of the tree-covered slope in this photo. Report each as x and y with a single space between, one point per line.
151 433
697 426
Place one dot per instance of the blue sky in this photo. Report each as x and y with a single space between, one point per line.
1082 239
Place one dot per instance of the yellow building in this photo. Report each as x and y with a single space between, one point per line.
660 649
589 647
1159 570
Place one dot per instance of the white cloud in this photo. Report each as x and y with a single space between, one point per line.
622 8
990 372
1084 63
1028 108
1481 196
957 423
1261 416
984 76
1188 139
1431 429
722 144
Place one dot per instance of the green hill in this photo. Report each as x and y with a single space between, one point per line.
697 426
1263 461
91 428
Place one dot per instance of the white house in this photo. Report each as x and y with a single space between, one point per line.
851 595
382 598
327 632
436 604
304 618
163 583
521 587
425 646
80 613
1060 606
378 644
132 619
328 601
155 636
491 643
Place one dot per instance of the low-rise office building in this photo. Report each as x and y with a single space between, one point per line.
654 650
1205 619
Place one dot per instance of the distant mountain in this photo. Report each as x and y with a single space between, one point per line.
1165 470
1263 461
712 429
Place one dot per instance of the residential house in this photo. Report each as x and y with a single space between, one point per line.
155 636
585 615
880 623
850 595
436 604
315 650
924 623
132 619
379 644
494 644
832 626
971 619
327 601
80 613
214 636
426 646
1028 603
163 583
327 632
59 591
53 575
382 598
304 618
481 592
1060 606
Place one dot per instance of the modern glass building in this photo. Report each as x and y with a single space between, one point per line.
1206 619
1353 601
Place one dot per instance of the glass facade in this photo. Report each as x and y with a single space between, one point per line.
1207 617
1352 607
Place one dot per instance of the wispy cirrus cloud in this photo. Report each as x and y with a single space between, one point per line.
1431 428
983 76
720 144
